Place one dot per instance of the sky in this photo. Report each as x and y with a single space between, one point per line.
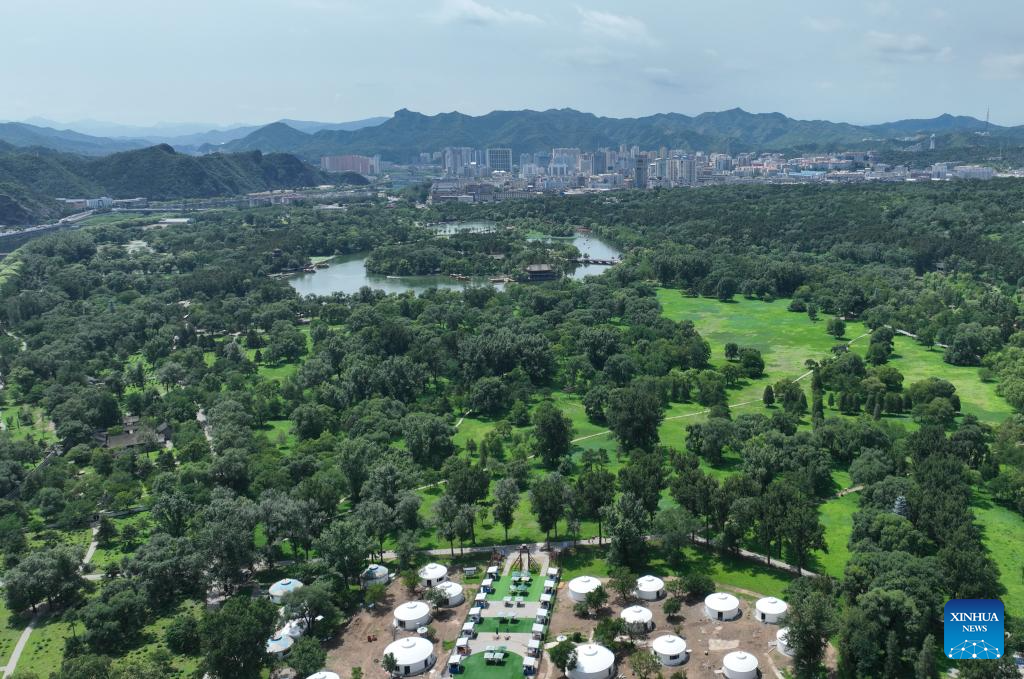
254 61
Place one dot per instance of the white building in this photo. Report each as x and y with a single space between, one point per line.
593 661
580 587
638 617
412 615
650 588
282 587
770 609
375 574
740 665
432 574
413 655
453 591
279 645
324 675
670 650
721 606
782 641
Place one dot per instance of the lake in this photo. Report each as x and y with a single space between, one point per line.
348 273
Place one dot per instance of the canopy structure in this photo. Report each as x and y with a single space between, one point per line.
282 587
650 588
638 617
593 661
770 609
740 665
580 587
721 606
670 650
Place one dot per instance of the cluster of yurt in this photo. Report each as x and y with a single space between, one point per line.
580 587
593 661
650 588
413 655
770 610
280 644
740 665
638 618
412 615
433 574
670 650
721 606
279 589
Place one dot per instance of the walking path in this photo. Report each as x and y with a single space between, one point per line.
12 663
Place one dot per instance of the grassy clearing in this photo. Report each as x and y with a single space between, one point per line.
10 629
44 651
1004 535
837 518
117 550
476 666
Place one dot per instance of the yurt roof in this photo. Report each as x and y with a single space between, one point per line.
412 610
721 601
650 583
410 650
772 606
432 571
450 588
284 586
584 584
740 661
592 658
635 614
324 675
279 643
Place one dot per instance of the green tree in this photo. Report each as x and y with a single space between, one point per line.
836 327
547 499
506 501
644 664
595 489
768 397
234 637
553 431
563 655
307 656
634 415
628 523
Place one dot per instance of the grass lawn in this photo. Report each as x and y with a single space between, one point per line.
837 518
504 584
115 551
37 430
44 651
475 666
10 629
1004 536
492 625
153 636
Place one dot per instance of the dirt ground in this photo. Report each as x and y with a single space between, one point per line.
353 649
707 641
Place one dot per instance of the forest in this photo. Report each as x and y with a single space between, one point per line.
334 430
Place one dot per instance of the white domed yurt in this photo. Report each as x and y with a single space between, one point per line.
782 641
279 645
721 606
412 615
282 587
593 661
650 588
453 591
375 574
580 587
770 609
638 617
670 650
432 574
740 665
414 655
324 675
293 628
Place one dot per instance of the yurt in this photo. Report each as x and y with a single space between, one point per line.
721 606
375 574
740 665
413 655
279 645
453 591
282 587
770 609
580 587
593 661
782 641
638 617
650 588
324 675
432 574
293 628
670 650
412 614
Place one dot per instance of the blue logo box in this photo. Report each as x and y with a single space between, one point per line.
973 629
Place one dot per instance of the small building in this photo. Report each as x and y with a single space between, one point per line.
545 600
593 661
530 666
282 587
550 586
782 642
412 615
413 655
770 609
580 587
638 618
469 630
740 665
487 585
554 573
540 272
375 574
670 650
476 614
650 588
537 630
453 592
433 574
721 606
454 663
280 645
533 648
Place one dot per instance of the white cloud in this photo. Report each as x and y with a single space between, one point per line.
905 47
473 12
615 26
822 24
1004 66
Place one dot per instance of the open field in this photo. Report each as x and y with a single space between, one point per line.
1004 536
837 519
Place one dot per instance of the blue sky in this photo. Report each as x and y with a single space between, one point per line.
253 61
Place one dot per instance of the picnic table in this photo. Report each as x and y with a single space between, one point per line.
508 600
520 601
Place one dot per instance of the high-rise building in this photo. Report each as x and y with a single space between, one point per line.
640 170
499 160
360 164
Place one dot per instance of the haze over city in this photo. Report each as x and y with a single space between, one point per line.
243 62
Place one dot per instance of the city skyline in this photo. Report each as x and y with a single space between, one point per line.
336 60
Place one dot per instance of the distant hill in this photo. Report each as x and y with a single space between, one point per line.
68 141
31 178
408 133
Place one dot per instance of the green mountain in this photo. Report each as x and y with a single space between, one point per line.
68 141
31 178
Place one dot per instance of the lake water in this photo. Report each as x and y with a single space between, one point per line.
348 273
